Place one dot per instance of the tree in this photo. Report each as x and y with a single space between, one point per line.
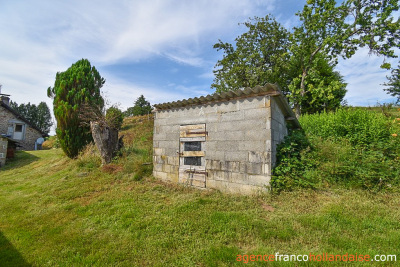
326 31
340 30
39 116
141 107
393 86
262 55
79 85
114 117
326 87
104 126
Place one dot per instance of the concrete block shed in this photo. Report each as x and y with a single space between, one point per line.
225 141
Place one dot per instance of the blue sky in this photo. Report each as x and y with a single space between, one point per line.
159 48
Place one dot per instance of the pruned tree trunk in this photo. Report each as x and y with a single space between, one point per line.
106 140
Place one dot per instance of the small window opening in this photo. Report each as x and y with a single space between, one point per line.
192 146
18 128
194 161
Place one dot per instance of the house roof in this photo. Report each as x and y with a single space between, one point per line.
268 89
22 118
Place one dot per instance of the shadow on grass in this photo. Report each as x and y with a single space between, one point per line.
9 256
127 127
20 159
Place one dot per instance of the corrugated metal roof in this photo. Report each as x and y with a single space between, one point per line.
268 89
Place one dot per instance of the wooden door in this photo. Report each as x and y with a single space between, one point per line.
192 169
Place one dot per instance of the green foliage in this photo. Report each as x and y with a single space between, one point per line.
342 29
260 56
78 85
393 84
293 162
114 117
353 148
141 107
360 127
325 86
39 115
302 61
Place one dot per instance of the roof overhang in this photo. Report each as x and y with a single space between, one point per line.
271 90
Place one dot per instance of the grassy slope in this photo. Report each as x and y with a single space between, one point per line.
57 211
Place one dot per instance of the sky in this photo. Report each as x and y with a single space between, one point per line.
162 49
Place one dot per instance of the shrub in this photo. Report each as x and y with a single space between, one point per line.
293 163
351 148
361 127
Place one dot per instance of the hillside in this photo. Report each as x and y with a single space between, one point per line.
60 212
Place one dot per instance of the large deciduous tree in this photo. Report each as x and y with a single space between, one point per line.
262 54
340 30
327 30
79 85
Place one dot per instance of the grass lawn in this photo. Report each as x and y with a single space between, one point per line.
54 212
60 212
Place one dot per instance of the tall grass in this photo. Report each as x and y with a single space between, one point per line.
359 126
351 148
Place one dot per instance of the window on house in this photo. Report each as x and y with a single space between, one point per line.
18 128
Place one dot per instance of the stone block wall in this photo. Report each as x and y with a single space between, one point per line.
3 151
239 147
5 116
30 136
278 129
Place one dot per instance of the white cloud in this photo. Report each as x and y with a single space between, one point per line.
364 76
43 37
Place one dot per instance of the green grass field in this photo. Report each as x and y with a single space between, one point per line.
60 212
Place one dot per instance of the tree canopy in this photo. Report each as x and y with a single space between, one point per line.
79 85
39 115
302 60
141 107
340 30
393 84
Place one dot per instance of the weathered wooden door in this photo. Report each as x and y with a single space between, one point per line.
192 169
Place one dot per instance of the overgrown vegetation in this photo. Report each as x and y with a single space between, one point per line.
352 147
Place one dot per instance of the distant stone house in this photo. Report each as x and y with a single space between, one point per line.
14 126
225 141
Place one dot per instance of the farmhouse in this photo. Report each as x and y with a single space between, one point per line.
225 141
14 126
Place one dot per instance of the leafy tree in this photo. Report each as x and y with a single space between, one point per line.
141 107
393 86
326 87
79 85
340 30
39 116
262 55
114 117
327 31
